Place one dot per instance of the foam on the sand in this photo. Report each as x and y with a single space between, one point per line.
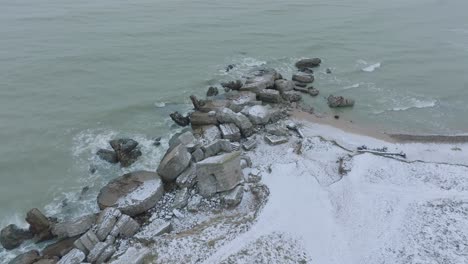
383 210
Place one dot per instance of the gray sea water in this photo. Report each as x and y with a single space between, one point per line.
75 73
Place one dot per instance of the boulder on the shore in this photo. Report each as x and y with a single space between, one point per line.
233 197
12 236
240 99
133 255
29 257
106 222
203 119
125 227
127 150
174 163
155 228
303 78
277 130
186 139
75 256
208 133
86 242
275 140
213 105
60 248
250 144
260 79
232 85
339 101
284 85
308 63
37 221
230 131
74 227
313 91
219 173
258 114
132 193
226 115
212 91
101 253
187 177
292 96
216 147
179 119
269 96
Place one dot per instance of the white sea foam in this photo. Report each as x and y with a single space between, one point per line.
352 86
372 67
413 104
159 104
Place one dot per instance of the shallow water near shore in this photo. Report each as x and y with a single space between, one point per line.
74 74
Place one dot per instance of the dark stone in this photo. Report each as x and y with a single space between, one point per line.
37 221
107 155
300 84
337 117
60 248
306 70
12 236
313 91
308 63
126 150
157 141
230 67
232 85
212 91
180 119
339 101
29 257
329 71
196 103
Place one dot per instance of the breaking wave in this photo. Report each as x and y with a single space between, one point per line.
414 104
368 67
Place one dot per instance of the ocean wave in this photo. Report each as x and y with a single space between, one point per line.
159 104
414 104
351 86
368 67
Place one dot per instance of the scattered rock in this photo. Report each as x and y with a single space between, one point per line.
339 101
212 91
328 71
181 198
38 222
261 79
74 227
313 92
174 163
250 144
284 85
337 117
277 130
186 139
198 155
155 228
29 257
107 155
235 146
133 256
208 133
299 84
230 67
126 150
101 253
226 115
157 141
306 70
292 96
222 145
106 222
246 161
187 178
60 248
214 105
180 119
269 96
86 242
241 99
258 114
12 236
75 256
232 85
202 119
230 131
233 197
132 193
194 203
303 78
308 63
275 140
219 173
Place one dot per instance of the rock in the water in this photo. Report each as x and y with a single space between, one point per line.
233 197
250 144
208 133
155 228
75 256
308 63
241 121
125 227
37 221
328 71
86 242
303 78
60 248
258 114
174 163
12 236
202 119
232 85
100 253
74 227
230 131
29 257
187 178
107 155
306 70
339 101
275 140
127 150
269 96
261 79
277 130
181 198
132 193
212 91
313 91
298 85
106 222
219 173
133 256
180 119
284 85
292 96
222 145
